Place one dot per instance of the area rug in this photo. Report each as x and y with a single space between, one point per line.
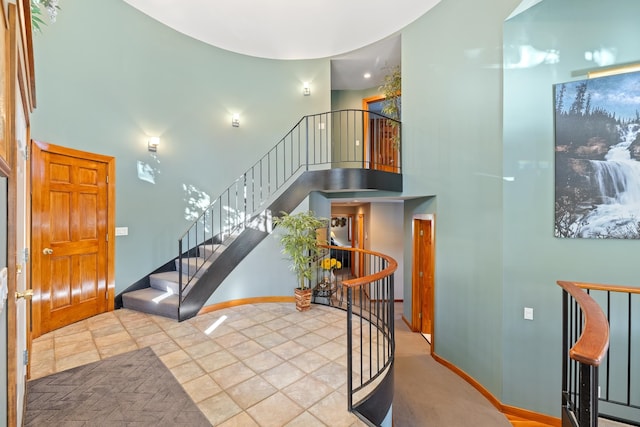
133 388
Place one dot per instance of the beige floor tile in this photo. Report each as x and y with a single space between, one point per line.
331 332
241 420
307 391
242 323
202 349
256 331
332 374
219 408
288 350
250 392
283 375
230 339
246 349
332 411
275 411
153 339
144 329
42 343
201 388
117 348
191 339
331 350
271 340
67 339
187 372
263 361
214 361
175 358
72 329
163 348
109 329
292 332
232 375
305 420
63 351
108 340
77 359
277 324
311 340
181 330
309 361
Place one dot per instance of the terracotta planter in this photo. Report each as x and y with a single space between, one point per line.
303 299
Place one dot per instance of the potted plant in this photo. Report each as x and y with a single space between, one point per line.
300 244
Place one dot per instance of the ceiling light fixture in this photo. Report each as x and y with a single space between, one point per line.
367 75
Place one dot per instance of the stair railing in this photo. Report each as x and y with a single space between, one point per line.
336 139
369 302
585 339
618 388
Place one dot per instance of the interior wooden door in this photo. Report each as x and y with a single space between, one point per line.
383 142
71 248
423 276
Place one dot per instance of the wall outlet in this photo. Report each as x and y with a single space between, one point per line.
528 313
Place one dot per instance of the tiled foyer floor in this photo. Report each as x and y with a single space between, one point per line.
264 365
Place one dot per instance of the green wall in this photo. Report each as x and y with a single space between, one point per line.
108 76
452 145
533 258
103 87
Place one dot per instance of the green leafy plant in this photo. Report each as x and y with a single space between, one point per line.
38 10
299 242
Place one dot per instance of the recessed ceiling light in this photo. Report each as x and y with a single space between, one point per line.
367 75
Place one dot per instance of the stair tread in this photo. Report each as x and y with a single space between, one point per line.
150 300
169 280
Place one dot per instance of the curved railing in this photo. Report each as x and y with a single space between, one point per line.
370 334
618 389
584 345
336 139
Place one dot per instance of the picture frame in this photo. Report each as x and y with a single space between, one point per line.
597 157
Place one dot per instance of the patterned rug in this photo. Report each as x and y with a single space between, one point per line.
133 388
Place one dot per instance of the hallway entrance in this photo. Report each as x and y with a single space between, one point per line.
423 276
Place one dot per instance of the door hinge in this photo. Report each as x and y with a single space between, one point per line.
25 357
421 233
26 152
107 179
419 315
421 274
26 255
107 237
106 295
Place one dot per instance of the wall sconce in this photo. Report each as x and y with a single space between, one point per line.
306 90
152 143
235 120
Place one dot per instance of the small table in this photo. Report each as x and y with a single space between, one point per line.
323 293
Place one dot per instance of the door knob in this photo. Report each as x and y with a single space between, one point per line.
27 294
47 251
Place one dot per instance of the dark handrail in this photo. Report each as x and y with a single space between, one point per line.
318 141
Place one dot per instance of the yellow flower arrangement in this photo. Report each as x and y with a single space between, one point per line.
331 264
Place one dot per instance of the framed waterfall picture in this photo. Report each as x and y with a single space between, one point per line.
597 157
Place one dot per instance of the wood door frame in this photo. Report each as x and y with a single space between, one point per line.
416 306
36 222
365 128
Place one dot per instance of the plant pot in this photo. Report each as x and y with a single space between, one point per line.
303 299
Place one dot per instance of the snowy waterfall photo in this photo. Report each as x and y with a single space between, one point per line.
597 153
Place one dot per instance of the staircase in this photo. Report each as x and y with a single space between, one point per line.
305 160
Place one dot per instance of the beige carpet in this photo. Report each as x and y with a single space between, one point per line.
428 394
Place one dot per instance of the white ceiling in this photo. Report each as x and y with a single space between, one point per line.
355 34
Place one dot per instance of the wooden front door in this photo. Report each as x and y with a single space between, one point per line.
423 276
72 254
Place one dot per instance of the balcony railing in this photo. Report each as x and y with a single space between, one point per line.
601 372
336 139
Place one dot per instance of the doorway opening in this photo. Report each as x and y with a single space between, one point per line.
423 295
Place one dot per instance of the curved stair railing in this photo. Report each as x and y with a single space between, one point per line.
337 139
